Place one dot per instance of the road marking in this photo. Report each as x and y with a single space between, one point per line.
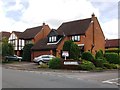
112 81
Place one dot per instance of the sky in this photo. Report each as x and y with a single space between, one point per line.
18 15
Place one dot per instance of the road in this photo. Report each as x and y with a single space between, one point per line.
40 79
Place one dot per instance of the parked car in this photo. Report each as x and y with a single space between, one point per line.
14 58
43 59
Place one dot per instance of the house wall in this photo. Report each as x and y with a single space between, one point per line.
38 53
60 46
43 33
95 37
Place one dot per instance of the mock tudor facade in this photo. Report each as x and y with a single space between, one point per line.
86 33
17 43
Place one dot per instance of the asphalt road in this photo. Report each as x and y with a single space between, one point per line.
40 79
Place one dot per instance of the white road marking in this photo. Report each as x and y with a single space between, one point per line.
112 81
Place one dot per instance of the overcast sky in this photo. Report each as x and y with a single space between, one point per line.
17 15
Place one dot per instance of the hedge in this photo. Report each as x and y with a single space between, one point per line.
112 58
86 65
87 56
54 63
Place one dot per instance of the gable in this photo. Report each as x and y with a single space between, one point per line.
30 33
74 27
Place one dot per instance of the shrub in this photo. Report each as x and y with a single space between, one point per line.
110 66
55 63
87 56
74 51
99 54
27 52
99 62
112 58
86 65
43 65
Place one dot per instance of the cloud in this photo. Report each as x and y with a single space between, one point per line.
110 29
61 10
17 15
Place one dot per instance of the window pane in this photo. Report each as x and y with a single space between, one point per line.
78 38
73 38
49 39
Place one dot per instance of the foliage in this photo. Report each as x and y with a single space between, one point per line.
86 65
55 63
99 54
99 62
74 51
87 56
43 65
27 52
7 48
112 58
110 66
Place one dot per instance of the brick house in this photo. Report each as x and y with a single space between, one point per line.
17 43
32 35
112 44
86 33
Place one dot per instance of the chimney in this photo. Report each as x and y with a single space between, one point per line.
43 23
93 15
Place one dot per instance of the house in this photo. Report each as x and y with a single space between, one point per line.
32 35
17 43
112 44
86 33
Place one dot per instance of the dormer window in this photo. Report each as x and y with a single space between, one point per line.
76 38
52 39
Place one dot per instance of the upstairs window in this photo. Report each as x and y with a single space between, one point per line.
76 38
52 39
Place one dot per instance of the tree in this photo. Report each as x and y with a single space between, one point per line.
7 48
74 51
27 52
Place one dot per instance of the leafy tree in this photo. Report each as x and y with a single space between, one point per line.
74 51
7 48
27 52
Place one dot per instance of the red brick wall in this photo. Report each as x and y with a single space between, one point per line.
99 39
38 53
43 33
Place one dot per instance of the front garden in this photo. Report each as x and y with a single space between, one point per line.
87 61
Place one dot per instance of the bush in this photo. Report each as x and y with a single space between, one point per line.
99 54
87 56
55 63
110 66
112 58
100 62
27 52
74 51
43 65
86 65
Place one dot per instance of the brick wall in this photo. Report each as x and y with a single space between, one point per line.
38 53
43 33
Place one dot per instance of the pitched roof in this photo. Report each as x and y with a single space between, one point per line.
42 45
31 32
74 27
5 34
17 33
112 43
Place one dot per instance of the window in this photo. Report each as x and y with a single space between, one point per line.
76 38
52 39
